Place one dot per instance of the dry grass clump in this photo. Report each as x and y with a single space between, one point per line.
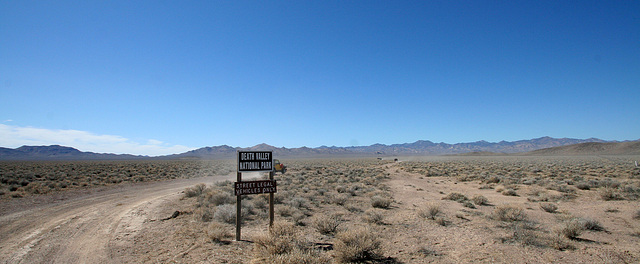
523 234
358 244
636 215
225 213
509 192
339 199
458 197
283 244
374 216
214 196
549 207
378 201
480 200
441 221
509 213
281 238
609 194
195 190
571 229
592 224
431 212
327 224
559 242
218 232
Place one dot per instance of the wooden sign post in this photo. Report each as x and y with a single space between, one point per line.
254 161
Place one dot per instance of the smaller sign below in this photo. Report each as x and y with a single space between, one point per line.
255 187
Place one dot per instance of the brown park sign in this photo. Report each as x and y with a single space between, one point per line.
255 187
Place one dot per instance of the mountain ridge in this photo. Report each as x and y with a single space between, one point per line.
419 147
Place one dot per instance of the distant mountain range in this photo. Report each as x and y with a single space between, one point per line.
56 152
537 146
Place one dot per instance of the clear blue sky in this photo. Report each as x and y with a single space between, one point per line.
160 77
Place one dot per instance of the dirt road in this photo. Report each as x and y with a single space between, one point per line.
84 229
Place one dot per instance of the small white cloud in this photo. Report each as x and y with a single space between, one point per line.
154 142
16 136
8 120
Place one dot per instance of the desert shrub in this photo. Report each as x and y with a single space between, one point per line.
217 232
280 239
225 213
493 179
468 204
195 190
299 202
203 214
509 213
285 211
339 199
380 202
559 242
631 192
549 207
441 221
296 256
509 192
458 197
354 208
327 224
216 197
571 228
357 244
373 216
427 251
298 218
431 212
565 189
480 200
523 234
591 224
261 202
609 194
583 186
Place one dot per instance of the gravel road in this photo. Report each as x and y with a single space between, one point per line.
84 228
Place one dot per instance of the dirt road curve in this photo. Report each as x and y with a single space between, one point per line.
83 229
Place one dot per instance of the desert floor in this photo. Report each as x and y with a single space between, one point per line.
417 210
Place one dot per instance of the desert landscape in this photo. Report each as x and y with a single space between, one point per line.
426 209
378 132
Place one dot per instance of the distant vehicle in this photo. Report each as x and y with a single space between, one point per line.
279 167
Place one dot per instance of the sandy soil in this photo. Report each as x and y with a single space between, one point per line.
87 228
123 225
472 236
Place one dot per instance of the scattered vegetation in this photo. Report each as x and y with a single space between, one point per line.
341 210
24 178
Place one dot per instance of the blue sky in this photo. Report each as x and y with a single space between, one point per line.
160 77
